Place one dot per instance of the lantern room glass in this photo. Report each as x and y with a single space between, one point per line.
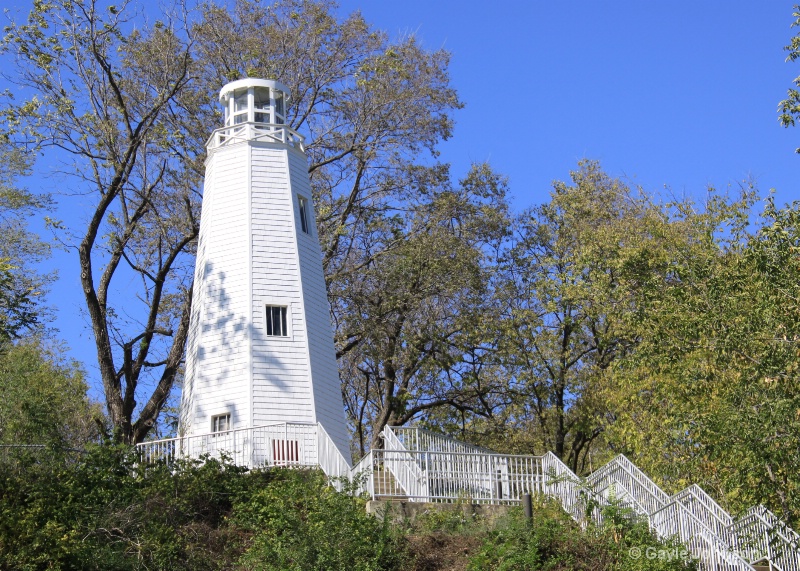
255 104
261 105
240 106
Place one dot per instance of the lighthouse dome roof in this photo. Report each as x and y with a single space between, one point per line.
229 88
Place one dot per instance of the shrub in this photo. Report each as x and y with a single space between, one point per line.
103 511
445 519
300 523
553 541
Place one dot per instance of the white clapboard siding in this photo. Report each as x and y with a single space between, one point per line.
186 417
281 375
217 372
322 356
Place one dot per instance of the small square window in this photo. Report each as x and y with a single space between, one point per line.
276 321
221 423
303 213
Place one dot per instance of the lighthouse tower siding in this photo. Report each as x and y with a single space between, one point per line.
322 357
295 378
218 349
281 375
260 347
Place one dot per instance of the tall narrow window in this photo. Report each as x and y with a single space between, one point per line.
221 423
276 321
303 213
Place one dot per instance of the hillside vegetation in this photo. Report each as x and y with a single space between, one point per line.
100 510
603 319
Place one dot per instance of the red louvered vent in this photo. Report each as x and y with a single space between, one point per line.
285 452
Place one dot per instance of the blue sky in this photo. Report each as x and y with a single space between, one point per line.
676 94
670 95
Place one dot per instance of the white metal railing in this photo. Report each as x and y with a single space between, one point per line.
691 515
419 465
280 444
404 466
629 483
362 474
561 483
414 438
758 535
456 471
763 534
330 458
695 500
449 476
675 521
249 131
492 478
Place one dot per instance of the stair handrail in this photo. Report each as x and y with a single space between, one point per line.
562 483
716 547
404 466
646 492
776 541
416 438
361 475
709 512
331 459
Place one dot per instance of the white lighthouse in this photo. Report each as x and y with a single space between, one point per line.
260 351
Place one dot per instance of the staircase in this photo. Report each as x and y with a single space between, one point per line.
416 465
386 487
420 466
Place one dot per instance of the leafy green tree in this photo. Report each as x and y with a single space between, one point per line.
711 390
568 283
43 399
131 104
413 319
102 88
789 108
21 287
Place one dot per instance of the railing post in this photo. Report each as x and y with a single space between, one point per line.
426 475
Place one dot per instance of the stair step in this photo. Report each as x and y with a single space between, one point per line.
385 487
